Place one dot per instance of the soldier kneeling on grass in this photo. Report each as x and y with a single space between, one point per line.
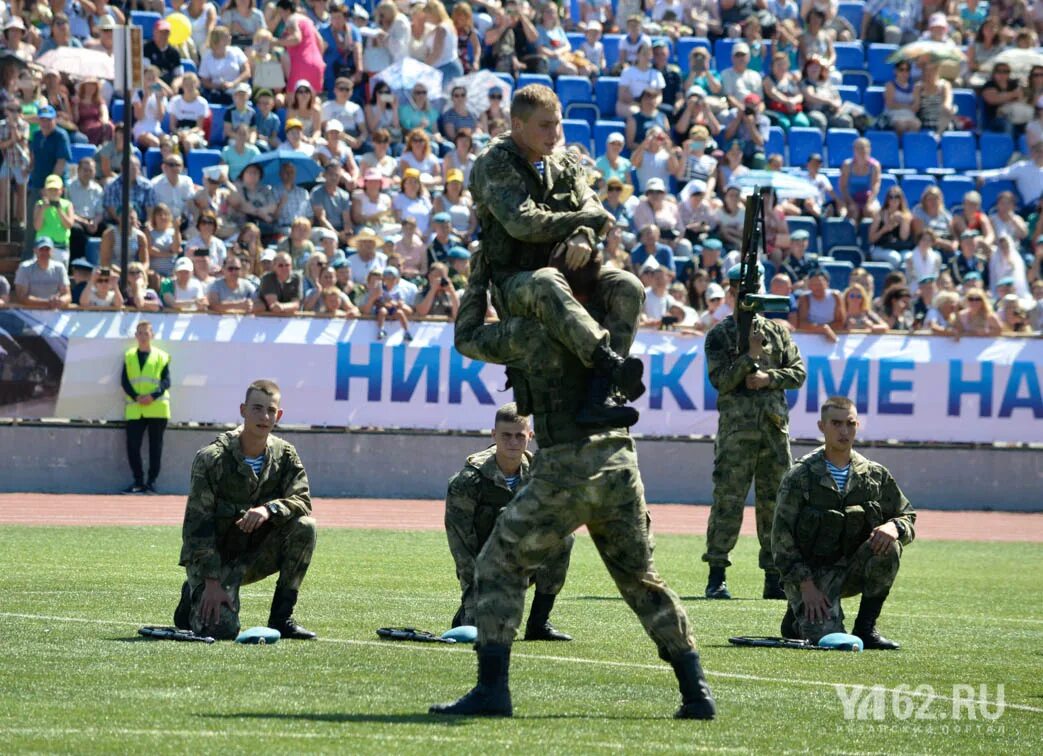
247 517
840 523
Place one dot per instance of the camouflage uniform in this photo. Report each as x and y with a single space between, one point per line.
752 433
820 532
577 478
223 487
478 494
524 216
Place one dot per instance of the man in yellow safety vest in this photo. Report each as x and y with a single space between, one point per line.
146 386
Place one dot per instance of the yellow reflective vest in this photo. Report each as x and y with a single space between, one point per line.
145 380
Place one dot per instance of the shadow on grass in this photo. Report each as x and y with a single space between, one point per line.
683 598
419 718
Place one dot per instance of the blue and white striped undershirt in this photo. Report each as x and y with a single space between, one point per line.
839 474
512 480
256 463
538 165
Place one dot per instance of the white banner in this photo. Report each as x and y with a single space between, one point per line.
333 373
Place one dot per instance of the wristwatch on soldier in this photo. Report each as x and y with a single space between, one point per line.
273 509
900 527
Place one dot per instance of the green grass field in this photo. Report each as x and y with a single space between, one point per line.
74 677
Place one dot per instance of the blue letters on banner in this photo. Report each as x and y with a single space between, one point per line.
427 360
820 376
660 378
1022 372
890 385
372 371
958 386
459 374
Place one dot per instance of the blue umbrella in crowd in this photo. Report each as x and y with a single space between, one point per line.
271 163
784 184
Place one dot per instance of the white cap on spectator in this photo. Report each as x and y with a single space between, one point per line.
357 11
215 172
649 265
183 263
267 255
655 184
593 26
741 48
303 84
243 87
334 125
938 19
714 291
616 137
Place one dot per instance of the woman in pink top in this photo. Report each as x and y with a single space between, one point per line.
303 44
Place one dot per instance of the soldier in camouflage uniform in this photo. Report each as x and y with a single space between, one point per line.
536 209
477 495
840 524
752 437
579 477
247 517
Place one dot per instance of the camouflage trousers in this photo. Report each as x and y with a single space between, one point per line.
286 550
548 578
545 296
864 572
594 482
740 457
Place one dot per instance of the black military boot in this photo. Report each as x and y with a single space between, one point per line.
538 626
281 616
490 697
788 629
773 586
625 372
696 699
865 625
600 409
716 588
183 613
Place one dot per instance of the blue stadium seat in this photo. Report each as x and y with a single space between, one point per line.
806 223
572 89
803 142
606 92
584 111
850 56
863 234
576 39
839 272
93 250
81 151
873 100
876 60
887 180
217 125
959 151
601 131
197 160
576 132
117 111
915 185
851 255
526 79
188 65
506 78
879 272
953 189
885 148
776 143
860 80
850 93
839 145
919 150
966 103
685 45
153 159
611 44
838 232
996 149
990 190
1023 144
722 52
853 12
144 19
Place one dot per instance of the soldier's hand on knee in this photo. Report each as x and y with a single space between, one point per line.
816 604
578 252
882 537
757 381
253 519
214 597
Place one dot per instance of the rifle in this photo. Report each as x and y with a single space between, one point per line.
748 299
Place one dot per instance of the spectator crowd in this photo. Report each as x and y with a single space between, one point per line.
278 168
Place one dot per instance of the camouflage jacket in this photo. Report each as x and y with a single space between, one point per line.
224 486
477 494
813 519
742 408
522 214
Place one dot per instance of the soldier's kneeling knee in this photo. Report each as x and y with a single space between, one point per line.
305 525
549 278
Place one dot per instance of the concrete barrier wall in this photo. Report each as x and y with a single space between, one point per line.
69 458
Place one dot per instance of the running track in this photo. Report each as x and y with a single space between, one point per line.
408 514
